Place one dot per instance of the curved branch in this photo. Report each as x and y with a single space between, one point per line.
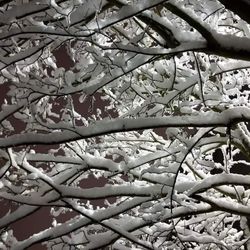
208 119
218 180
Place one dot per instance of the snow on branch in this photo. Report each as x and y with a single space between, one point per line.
125 123
208 119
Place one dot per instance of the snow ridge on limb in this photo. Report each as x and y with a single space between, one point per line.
209 119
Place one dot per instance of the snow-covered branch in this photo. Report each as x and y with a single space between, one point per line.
126 122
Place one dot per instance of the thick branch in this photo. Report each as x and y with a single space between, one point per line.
219 179
208 119
225 205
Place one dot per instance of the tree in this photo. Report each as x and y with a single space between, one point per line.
150 98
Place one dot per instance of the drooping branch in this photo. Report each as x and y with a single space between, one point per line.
218 180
